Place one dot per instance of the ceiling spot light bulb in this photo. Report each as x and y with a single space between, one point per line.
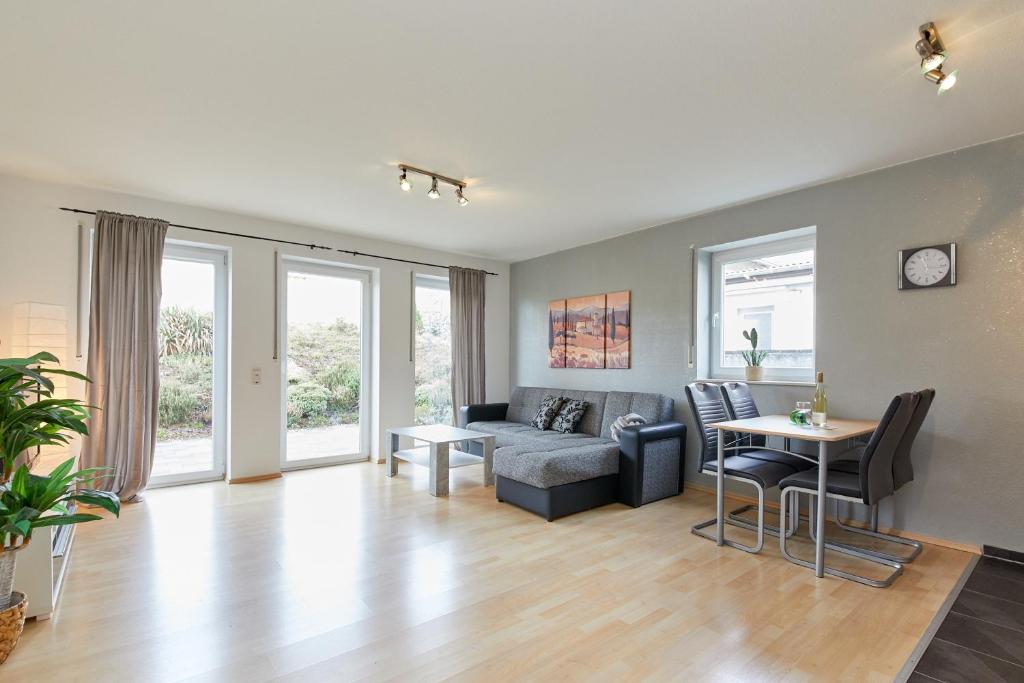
403 182
433 194
462 198
948 81
943 80
932 61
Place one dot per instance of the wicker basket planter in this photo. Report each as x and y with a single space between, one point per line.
12 623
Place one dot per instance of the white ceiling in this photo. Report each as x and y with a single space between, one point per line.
572 121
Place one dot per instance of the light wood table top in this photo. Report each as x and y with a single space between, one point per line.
779 425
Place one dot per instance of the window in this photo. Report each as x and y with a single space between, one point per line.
433 351
767 286
326 360
191 423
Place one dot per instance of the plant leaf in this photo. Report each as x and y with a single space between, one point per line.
63 520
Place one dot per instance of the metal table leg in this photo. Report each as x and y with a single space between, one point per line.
488 460
720 489
391 467
819 543
438 483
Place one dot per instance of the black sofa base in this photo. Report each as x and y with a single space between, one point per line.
558 501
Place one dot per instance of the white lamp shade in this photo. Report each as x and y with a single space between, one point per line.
43 327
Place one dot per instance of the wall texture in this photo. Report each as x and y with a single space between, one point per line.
872 340
38 243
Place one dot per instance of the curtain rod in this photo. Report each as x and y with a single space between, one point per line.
297 244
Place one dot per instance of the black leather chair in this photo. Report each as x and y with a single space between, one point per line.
871 483
757 467
902 474
740 405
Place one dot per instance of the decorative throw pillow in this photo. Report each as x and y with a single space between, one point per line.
547 411
569 416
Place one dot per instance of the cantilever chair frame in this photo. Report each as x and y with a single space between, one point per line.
733 518
873 532
839 547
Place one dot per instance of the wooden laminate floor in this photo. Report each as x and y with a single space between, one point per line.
343 574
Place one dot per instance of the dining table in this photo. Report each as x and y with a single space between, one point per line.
835 430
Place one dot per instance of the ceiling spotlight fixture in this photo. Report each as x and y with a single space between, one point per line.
943 80
435 178
933 54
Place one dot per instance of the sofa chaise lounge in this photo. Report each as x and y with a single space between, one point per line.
554 474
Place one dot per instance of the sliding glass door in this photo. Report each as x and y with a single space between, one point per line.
191 428
325 364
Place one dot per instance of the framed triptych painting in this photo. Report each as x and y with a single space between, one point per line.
584 335
556 334
617 329
590 331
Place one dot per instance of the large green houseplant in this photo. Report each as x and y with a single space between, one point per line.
30 416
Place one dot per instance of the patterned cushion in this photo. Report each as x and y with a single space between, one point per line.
547 411
569 416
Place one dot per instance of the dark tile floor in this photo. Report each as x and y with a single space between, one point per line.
982 637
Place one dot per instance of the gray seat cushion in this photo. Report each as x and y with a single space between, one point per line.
506 433
547 468
782 458
767 474
839 483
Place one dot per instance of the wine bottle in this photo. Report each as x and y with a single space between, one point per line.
819 406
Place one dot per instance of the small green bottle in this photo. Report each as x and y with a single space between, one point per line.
819 406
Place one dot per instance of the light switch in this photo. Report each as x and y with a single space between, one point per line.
257 375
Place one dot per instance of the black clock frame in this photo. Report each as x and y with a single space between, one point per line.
948 281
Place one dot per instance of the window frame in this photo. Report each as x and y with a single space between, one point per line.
770 246
218 257
288 264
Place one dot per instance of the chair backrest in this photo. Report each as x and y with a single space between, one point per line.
739 404
876 478
708 407
902 468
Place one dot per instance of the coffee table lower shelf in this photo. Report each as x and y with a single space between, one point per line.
421 456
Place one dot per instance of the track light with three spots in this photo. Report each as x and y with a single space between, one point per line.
435 178
933 54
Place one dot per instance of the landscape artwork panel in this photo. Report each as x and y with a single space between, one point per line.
584 333
556 334
617 330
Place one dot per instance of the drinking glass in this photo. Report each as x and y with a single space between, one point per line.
802 414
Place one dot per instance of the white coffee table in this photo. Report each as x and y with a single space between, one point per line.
438 454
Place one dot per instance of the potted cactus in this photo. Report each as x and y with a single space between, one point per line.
30 417
753 357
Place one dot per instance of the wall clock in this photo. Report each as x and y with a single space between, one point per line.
928 267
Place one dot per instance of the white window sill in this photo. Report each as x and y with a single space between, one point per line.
766 382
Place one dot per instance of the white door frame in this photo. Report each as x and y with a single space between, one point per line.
218 257
298 264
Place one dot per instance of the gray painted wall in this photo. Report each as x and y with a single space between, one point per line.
872 340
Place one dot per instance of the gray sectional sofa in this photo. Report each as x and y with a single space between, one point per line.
555 474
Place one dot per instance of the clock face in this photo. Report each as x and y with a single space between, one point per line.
926 267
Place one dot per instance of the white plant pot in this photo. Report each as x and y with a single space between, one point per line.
754 374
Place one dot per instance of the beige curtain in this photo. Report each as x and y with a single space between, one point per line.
467 291
123 351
